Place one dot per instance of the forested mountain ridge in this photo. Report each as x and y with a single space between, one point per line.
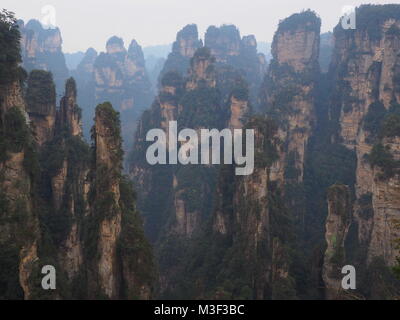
62 203
324 193
297 218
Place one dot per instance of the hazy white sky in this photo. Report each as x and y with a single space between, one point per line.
89 23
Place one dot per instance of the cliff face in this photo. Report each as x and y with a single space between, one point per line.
69 116
84 76
289 87
249 225
121 78
89 211
42 50
115 220
254 237
185 101
155 184
247 212
240 108
108 164
19 223
337 227
41 107
177 199
202 70
68 182
183 49
59 205
232 54
201 82
224 42
240 53
365 68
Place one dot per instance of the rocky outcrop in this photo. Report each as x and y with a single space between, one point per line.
69 196
202 70
19 225
113 211
229 49
41 106
69 115
108 164
386 208
225 42
183 49
289 87
59 205
121 78
365 68
337 227
176 199
170 105
146 178
60 159
276 217
247 211
187 41
201 81
42 50
297 44
90 216
239 109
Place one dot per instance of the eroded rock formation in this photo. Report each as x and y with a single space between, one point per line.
366 65
337 227
290 83
61 205
183 49
41 49
121 78
19 224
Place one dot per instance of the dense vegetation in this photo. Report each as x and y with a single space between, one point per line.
10 56
111 121
381 125
15 138
271 244
370 18
41 93
306 19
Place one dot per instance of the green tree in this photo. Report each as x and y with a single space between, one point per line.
10 56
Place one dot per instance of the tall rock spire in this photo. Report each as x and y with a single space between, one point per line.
290 84
370 55
116 220
70 113
183 49
42 50
121 78
41 107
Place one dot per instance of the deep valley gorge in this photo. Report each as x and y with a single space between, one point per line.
78 193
